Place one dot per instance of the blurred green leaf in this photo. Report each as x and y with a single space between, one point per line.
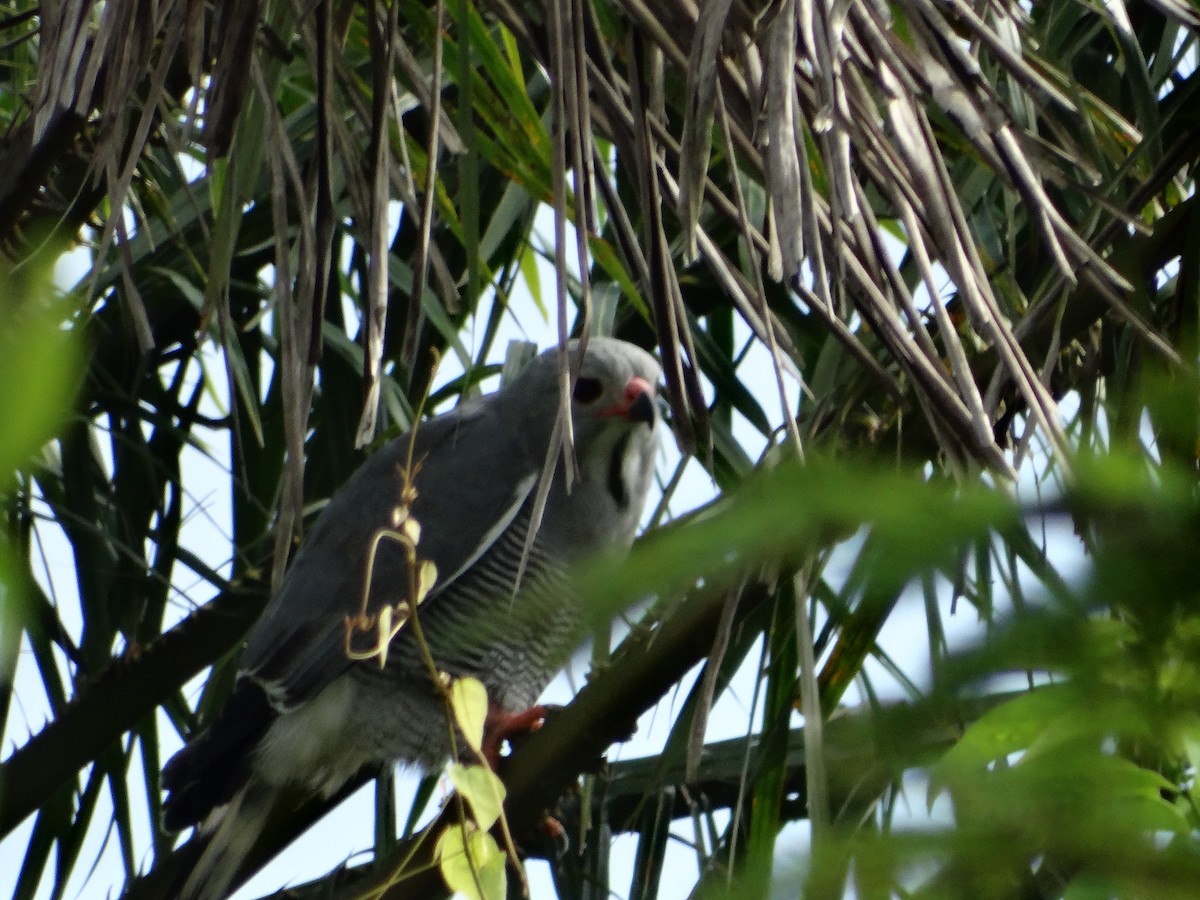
482 789
469 701
775 514
472 863
1001 267
39 359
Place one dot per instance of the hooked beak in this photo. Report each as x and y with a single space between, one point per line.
637 405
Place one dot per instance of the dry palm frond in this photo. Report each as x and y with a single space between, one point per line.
937 216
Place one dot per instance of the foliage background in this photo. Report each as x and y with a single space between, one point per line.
968 230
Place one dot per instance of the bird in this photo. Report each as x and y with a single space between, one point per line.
310 709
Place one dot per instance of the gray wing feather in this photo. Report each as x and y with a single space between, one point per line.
472 481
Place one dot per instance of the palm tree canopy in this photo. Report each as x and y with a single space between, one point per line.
922 277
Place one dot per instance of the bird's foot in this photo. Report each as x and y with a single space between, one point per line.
500 726
553 833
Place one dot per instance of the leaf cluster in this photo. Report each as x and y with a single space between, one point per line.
924 281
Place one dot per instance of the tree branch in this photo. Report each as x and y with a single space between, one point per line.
645 667
126 692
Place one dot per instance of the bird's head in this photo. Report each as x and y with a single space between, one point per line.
614 418
612 390
614 387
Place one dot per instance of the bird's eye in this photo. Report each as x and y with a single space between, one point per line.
587 390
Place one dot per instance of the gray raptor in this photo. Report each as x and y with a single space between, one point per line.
305 715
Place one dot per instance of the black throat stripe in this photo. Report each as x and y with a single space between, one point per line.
616 474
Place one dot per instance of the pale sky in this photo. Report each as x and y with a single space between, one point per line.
348 830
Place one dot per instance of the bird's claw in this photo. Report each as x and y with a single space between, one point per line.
552 829
500 726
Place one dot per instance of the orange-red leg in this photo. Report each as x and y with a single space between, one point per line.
500 725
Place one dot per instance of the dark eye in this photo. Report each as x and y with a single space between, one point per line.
587 390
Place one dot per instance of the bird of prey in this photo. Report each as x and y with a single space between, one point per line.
308 710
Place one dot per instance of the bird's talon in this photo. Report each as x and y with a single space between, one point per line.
500 726
552 829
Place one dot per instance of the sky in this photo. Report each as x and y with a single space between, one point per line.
347 833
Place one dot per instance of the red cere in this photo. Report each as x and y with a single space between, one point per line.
637 388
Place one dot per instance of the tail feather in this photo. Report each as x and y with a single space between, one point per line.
209 771
234 832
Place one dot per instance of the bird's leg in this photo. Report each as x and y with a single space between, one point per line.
500 725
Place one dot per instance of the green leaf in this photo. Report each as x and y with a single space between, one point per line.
776 514
528 264
482 789
468 699
1007 728
471 862
39 361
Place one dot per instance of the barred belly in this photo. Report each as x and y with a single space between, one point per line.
474 627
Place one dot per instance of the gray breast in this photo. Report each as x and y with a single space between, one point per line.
475 626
